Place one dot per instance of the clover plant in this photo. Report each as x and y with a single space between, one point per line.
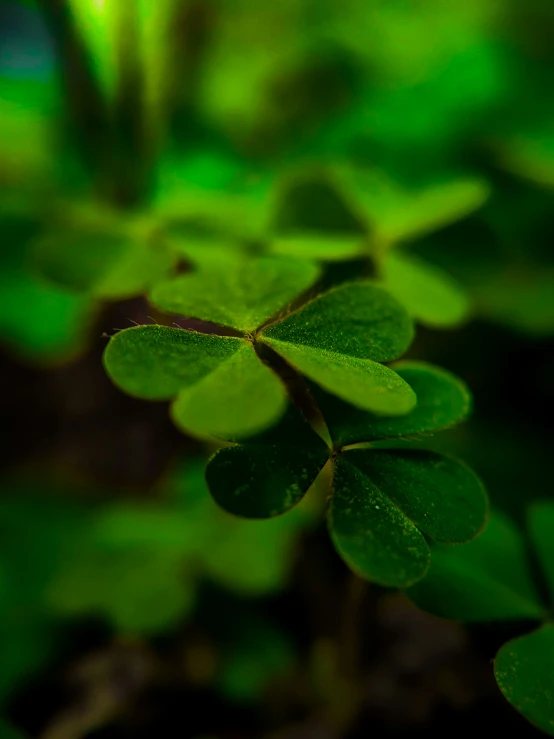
492 580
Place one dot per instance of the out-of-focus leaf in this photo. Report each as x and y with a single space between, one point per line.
541 526
103 264
486 580
430 295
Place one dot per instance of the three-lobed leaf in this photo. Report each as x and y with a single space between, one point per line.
237 292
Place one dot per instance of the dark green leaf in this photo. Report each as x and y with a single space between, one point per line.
523 669
443 497
338 339
428 293
270 474
371 533
236 292
156 362
485 580
541 529
442 401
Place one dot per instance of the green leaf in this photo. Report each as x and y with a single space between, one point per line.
442 401
403 215
327 247
270 474
355 320
428 293
156 362
371 533
541 528
241 396
237 292
107 265
523 669
443 497
486 580
338 339
210 375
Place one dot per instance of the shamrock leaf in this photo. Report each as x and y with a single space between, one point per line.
365 215
384 502
209 377
212 375
236 292
523 669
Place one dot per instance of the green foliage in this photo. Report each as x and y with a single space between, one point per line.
136 565
240 293
489 580
211 374
383 501
523 669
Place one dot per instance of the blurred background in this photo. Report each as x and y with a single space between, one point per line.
131 606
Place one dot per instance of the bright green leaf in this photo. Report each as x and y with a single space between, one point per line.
156 362
106 265
238 293
241 396
371 533
523 669
354 320
337 340
442 401
442 496
327 247
428 293
541 528
486 580
365 383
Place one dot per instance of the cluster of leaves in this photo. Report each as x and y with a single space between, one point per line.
491 580
136 566
314 273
